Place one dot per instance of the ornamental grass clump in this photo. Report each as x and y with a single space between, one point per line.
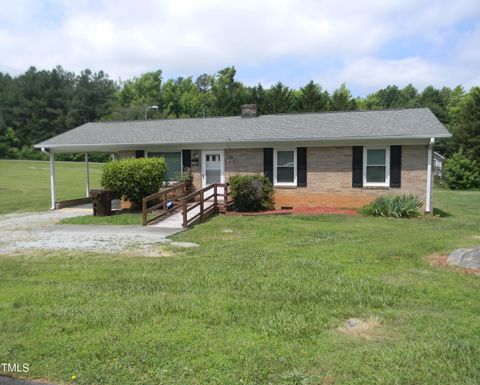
251 192
134 179
397 206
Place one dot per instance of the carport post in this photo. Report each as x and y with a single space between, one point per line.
87 176
52 180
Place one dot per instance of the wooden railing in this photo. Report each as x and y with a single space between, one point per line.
207 201
161 199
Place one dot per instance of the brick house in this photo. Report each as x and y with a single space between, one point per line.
338 159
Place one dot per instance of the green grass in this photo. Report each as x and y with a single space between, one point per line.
25 185
117 219
258 305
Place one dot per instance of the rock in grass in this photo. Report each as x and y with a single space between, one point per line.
466 258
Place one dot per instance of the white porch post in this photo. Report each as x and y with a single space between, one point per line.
52 180
87 177
428 198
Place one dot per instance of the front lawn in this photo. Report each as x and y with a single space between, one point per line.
25 184
259 302
116 219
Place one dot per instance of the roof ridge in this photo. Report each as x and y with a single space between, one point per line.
277 114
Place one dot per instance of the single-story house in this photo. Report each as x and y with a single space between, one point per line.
337 159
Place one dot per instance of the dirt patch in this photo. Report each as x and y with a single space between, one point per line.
364 329
440 261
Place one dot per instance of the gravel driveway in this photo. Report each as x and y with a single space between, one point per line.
30 231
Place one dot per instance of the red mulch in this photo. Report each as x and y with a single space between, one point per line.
300 210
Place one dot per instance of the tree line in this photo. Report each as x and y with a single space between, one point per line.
37 105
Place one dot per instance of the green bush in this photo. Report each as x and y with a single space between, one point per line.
251 192
398 206
134 179
28 152
461 173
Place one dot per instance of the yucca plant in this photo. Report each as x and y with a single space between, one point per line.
397 206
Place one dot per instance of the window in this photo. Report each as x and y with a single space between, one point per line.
376 166
285 167
174 163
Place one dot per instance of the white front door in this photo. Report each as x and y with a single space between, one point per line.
213 167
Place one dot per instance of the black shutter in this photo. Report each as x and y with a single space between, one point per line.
186 159
395 166
268 163
357 166
140 154
301 166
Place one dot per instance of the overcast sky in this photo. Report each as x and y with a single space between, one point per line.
367 44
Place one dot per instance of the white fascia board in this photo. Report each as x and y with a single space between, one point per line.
327 142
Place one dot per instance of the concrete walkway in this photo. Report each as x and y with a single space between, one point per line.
30 231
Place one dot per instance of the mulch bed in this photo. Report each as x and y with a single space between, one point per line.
299 210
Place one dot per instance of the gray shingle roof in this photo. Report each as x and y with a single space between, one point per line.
403 123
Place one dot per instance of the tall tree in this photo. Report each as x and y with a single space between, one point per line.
279 99
93 98
436 100
342 99
312 98
142 90
257 95
229 94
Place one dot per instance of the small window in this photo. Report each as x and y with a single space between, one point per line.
285 167
174 163
376 166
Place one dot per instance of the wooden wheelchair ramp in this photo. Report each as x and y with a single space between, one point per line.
173 209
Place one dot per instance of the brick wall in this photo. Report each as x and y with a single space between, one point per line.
243 161
329 176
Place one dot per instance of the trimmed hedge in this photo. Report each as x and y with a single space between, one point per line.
134 179
397 206
251 192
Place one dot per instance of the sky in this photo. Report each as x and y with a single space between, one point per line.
367 44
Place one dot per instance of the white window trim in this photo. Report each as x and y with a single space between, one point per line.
387 167
176 152
275 152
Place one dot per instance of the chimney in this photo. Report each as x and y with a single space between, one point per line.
249 111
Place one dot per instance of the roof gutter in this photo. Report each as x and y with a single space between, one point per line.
229 140
428 198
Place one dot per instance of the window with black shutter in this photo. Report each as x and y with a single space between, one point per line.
301 166
357 166
186 159
395 166
268 163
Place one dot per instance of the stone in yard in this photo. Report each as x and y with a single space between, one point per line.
466 258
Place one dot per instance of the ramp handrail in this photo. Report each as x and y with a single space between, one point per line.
207 200
173 194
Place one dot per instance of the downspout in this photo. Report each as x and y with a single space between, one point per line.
52 178
428 198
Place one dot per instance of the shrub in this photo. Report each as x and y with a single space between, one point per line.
28 152
398 206
251 192
461 173
134 179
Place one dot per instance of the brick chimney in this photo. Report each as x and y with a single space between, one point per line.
249 111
